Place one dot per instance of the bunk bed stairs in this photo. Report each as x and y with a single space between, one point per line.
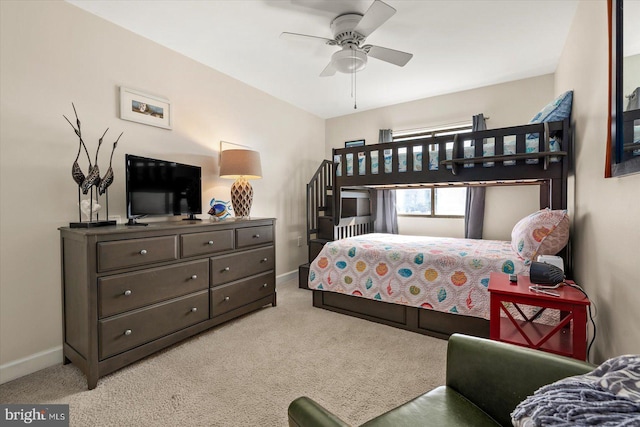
332 214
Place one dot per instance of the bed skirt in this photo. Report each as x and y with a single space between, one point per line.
421 320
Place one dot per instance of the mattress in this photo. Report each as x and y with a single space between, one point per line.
439 273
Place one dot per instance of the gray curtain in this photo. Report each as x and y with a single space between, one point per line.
474 211
385 135
383 202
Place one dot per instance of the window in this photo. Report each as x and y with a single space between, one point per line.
433 202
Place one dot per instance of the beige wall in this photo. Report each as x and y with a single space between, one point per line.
605 228
507 104
53 54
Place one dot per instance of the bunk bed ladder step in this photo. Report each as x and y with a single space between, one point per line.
320 215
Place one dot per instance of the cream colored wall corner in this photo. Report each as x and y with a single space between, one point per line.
605 221
74 56
507 104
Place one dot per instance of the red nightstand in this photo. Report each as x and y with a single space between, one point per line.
568 337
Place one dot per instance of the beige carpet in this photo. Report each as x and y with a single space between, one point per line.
246 372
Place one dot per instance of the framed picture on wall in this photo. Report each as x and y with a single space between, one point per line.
356 143
143 108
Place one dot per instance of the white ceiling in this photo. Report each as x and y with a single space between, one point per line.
457 44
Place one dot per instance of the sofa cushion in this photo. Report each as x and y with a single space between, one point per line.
496 376
440 407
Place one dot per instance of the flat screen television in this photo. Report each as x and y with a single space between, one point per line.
162 187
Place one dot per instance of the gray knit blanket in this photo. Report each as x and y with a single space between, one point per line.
607 396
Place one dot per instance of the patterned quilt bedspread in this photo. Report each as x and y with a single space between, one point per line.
444 274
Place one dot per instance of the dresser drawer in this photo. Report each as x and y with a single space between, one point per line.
124 292
227 268
128 253
251 236
233 295
126 331
206 243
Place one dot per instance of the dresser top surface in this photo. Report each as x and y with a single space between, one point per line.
178 226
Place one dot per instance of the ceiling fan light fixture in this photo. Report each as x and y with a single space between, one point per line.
349 60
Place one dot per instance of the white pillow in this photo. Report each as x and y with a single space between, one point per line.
544 232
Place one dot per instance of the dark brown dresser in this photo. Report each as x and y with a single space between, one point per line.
129 291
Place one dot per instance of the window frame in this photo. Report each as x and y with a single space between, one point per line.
433 205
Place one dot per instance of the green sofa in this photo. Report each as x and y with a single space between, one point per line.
485 381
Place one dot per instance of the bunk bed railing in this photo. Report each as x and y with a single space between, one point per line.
354 226
533 151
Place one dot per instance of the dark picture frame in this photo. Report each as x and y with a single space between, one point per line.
355 143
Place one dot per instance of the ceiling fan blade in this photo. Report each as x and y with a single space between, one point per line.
376 15
389 55
328 71
297 36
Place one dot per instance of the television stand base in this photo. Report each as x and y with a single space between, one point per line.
132 221
191 217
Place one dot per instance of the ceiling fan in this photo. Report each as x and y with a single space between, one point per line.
349 33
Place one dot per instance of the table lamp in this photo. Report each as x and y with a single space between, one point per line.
241 165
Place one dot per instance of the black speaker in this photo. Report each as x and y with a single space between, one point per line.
545 274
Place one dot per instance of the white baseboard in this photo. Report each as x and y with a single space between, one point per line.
286 277
30 364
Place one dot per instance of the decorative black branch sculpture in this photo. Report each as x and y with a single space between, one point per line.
93 177
86 183
76 171
106 181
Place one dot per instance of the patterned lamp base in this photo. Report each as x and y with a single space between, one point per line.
241 197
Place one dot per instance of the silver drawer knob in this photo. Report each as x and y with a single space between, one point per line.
194 309
127 293
210 242
128 332
143 252
256 236
226 269
194 277
264 285
264 260
226 298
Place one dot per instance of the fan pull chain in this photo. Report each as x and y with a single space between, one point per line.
354 86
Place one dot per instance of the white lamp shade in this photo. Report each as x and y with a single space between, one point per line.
240 163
